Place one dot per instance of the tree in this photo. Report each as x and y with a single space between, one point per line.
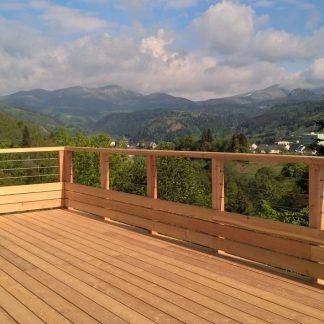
206 136
61 136
239 144
25 137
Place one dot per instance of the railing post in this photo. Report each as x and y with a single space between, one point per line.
151 176
316 196
61 166
151 173
217 183
104 170
66 168
65 171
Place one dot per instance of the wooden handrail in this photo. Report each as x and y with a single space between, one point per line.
32 149
270 158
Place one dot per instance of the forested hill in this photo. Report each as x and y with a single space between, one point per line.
159 125
283 121
14 132
81 106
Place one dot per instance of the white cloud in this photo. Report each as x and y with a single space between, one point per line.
315 73
243 57
146 64
67 20
233 29
227 26
274 45
155 46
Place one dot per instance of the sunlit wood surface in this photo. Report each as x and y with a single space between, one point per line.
58 266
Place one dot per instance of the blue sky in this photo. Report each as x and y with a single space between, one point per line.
194 48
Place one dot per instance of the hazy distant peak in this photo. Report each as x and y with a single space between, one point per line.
270 93
116 90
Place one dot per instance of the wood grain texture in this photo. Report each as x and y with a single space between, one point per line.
151 175
217 181
31 197
283 251
266 226
316 194
71 267
104 170
32 150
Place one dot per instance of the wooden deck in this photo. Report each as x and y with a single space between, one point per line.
58 266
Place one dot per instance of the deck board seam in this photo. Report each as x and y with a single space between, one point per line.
12 315
32 293
7 314
54 291
71 276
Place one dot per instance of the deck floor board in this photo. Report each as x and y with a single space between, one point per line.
184 267
59 266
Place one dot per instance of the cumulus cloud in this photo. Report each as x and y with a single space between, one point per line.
237 55
232 28
274 45
314 75
227 26
147 64
67 20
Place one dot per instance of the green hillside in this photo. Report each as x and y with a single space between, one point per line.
45 121
283 121
11 132
161 125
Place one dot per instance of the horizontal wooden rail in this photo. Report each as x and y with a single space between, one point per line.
32 150
269 158
290 247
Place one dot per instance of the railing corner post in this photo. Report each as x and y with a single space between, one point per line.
65 171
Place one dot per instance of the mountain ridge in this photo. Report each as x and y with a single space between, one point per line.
94 109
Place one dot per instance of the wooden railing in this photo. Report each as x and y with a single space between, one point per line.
16 198
290 247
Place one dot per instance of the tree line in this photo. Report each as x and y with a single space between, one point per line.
277 192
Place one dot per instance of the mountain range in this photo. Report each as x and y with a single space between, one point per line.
157 116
